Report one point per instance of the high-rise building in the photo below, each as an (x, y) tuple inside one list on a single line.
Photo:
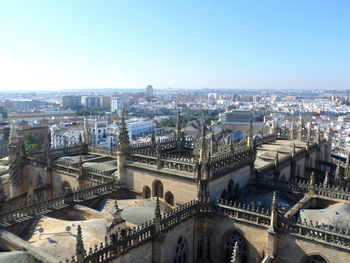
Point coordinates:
[(117, 104), (90, 101), (72, 102), (149, 90), (105, 102)]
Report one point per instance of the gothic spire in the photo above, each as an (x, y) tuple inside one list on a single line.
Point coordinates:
[(326, 180), (300, 128), (312, 179), (274, 208), (212, 141), (274, 201), (309, 131), (80, 251), (81, 171), (319, 134), (13, 133), (338, 176), (178, 131), (157, 216), (250, 133), (347, 165), (123, 142), (292, 130), (202, 154), (86, 131), (157, 213)]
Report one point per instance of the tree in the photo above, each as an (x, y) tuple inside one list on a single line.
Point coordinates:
[(32, 143), (167, 123), (231, 107)]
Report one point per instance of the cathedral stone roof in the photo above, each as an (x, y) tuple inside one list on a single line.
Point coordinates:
[(335, 215), (137, 211)]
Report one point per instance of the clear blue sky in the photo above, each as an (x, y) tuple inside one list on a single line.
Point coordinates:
[(51, 45)]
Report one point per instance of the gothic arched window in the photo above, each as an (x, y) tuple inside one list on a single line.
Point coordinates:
[(157, 188), (146, 192), (229, 240), (169, 198), (181, 252)]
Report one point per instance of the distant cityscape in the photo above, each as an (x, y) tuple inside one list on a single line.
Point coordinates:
[(153, 110)]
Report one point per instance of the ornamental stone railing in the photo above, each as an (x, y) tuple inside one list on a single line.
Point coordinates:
[(302, 186), (54, 202), (243, 212), (314, 231), (253, 215)]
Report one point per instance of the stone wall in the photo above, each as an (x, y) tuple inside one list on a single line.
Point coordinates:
[(183, 190), (240, 176), (185, 230), (140, 254), (255, 238), (293, 249)]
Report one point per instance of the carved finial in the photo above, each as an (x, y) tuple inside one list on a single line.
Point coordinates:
[(312, 179), (274, 201), (235, 258), (13, 133), (292, 130), (347, 165), (309, 130), (300, 130), (81, 169), (123, 142), (80, 251), (326, 180), (203, 150), (157, 213), (338, 175), (87, 134), (153, 137), (250, 132)]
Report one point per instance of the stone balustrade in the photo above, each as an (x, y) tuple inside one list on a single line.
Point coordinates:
[(54, 202), (314, 231), (244, 212), (254, 215)]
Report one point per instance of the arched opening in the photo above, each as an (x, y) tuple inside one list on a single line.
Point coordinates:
[(313, 259), (146, 192), (231, 188), (66, 186), (157, 188), (169, 198), (229, 240), (224, 194), (181, 252)]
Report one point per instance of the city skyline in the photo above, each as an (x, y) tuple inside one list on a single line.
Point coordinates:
[(111, 45)]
